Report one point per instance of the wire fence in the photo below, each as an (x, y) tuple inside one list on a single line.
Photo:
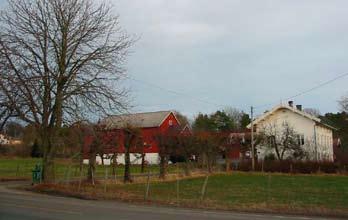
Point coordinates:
[(223, 190), (218, 189)]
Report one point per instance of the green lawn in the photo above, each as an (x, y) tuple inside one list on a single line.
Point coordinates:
[(64, 168), (254, 190)]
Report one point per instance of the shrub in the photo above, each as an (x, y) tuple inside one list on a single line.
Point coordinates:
[(288, 166), (36, 150), (20, 150)]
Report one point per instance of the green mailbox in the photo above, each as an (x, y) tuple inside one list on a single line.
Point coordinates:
[(37, 174)]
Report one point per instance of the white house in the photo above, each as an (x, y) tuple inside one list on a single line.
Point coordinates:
[(4, 139), (315, 136)]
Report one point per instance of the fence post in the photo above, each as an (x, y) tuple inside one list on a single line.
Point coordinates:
[(204, 187), (177, 183), (55, 175), (76, 171), (80, 179), (262, 164), (92, 172), (17, 171), (147, 186), (67, 180), (115, 175), (105, 178), (24, 169)]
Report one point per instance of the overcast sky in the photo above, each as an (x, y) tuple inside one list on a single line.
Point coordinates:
[(235, 53)]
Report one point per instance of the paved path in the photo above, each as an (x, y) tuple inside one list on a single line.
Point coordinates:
[(16, 204)]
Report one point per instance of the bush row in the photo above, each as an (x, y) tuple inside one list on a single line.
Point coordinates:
[(20, 150), (287, 166)]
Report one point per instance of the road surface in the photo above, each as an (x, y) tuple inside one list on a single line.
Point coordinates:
[(15, 204)]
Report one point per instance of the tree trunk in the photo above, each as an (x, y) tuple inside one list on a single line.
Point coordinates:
[(48, 133), (48, 157), (228, 163), (163, 166), (48, 168), (127, 163), (142, 162), (114, 164), (277, 153), (81, 159), (203, 160), (187, 167), (102, 158), (209, 164), (91, 168)]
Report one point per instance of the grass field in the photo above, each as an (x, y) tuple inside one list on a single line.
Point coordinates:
[(22, 168), (318, 194), (247, 190), (325, 195)]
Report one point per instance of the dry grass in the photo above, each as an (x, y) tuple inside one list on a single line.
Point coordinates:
[(292, 194)]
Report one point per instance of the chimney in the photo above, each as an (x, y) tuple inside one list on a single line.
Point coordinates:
[(291, 103), (299, 107)]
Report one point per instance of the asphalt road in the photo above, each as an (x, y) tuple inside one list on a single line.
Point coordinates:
[(15, 204)]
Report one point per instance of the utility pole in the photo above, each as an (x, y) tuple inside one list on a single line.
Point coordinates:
[(252, 138), (315, 144)]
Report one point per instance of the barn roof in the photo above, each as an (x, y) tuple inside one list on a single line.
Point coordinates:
[(139, 120)]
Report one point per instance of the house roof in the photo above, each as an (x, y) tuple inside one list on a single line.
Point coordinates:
[(139, 120), (293, 109)]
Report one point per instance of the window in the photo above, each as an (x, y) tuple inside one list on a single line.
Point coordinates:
[(170, 122), (301, 139)]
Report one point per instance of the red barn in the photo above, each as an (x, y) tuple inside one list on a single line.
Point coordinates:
[(149, 123), (237, 147)]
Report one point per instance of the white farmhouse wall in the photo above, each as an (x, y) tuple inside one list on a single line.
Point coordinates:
[(3, 139), (150, 158), (318, 138)]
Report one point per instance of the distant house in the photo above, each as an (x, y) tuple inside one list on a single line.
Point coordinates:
[(4, 140), (238, 146), (149, 123), (315, 136)]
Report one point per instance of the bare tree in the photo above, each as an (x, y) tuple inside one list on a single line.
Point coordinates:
[(132, 141), (210, 146), (60, 60), (142, 149), (97, 139), (183, 120), (235, 114), (343, 103), (312, 111), (167, 141), (187, 146), (6, 110), (283, 140), (76, 137)]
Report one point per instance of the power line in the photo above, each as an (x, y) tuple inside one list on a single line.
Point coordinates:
[(219, 105), (308, 90), (174, 92)]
